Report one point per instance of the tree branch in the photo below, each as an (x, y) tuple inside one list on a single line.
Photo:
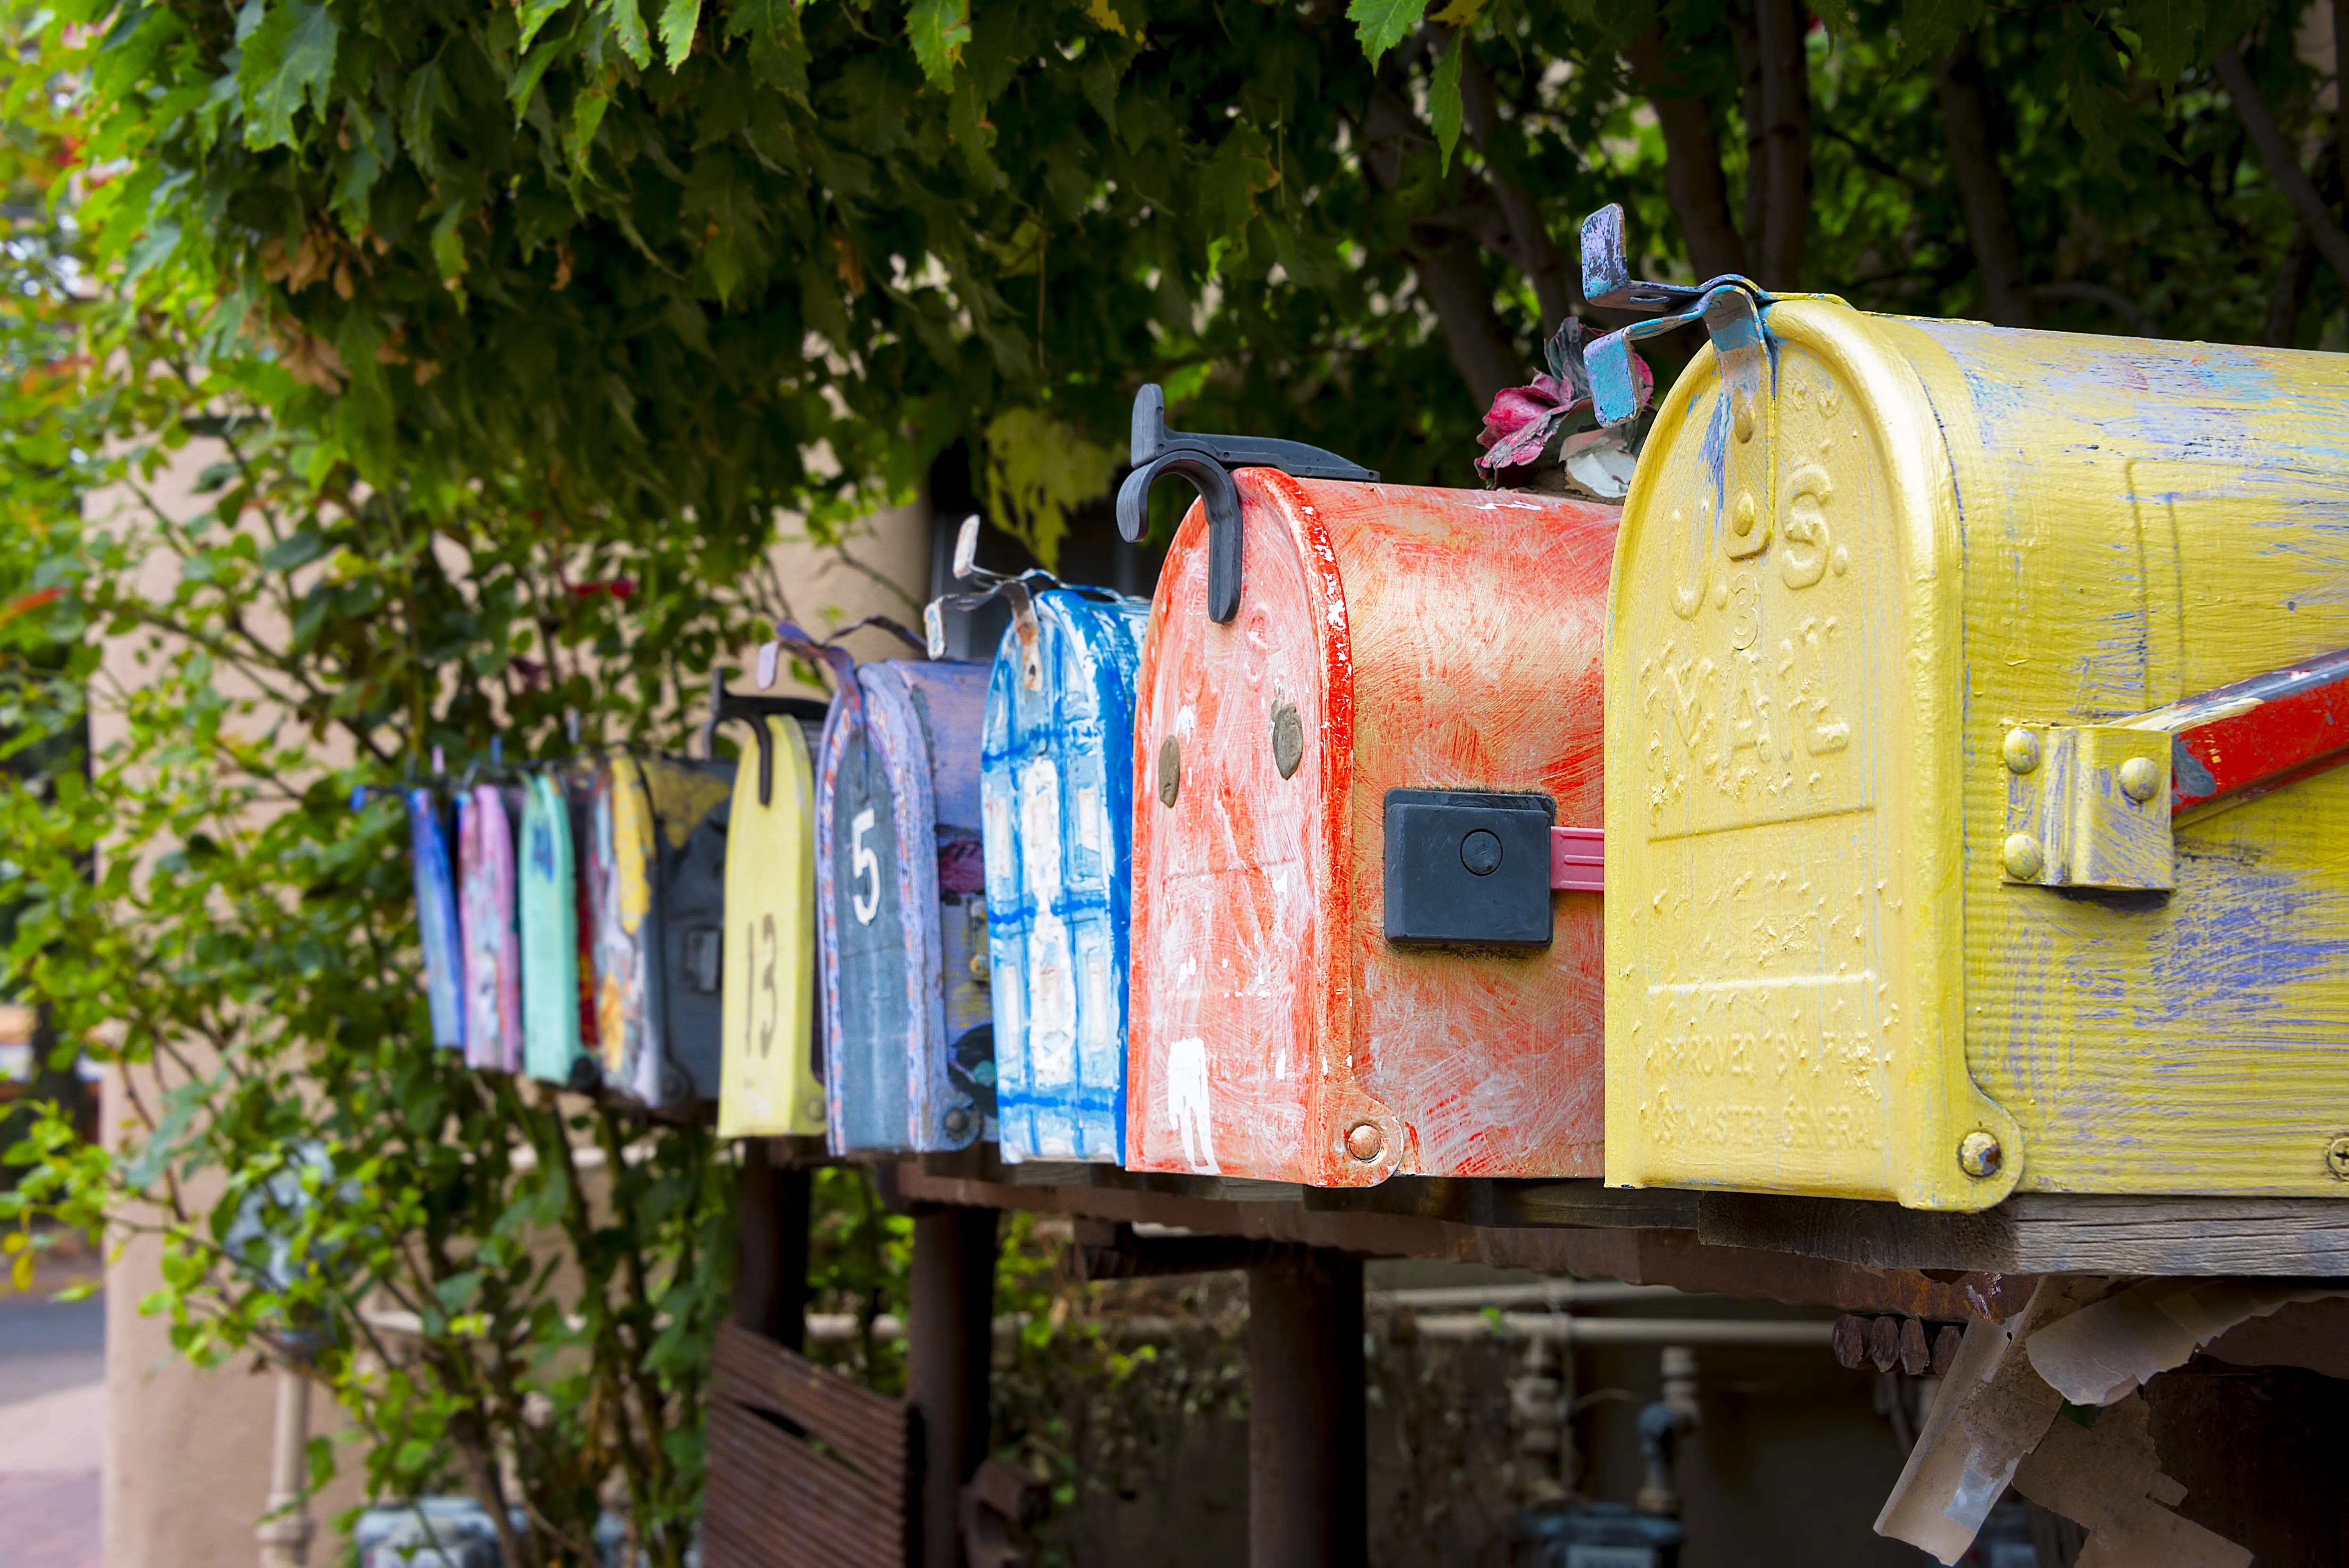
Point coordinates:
[(1981, 185), (1450, 269), (1692, 178), (2284, 165), (1786, 166), (1554, 284)]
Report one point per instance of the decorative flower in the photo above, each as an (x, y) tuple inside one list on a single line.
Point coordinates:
[(1525, 421)]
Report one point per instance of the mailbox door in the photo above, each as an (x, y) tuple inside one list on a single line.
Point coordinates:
[(692, 808), (1057, 794), (1243, 851), (627, 1022), (492, 949), (895, 954), (436, 918), (1478, 624), (773, 1084), (550, 936)]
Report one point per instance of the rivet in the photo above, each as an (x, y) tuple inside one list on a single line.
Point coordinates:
[(1744, 417), (2025, 859), (1287, 738), (1840, 559), (1979, 1155), (2336, 1156), (1363, 1141), (1170, 770), (2140, 777), (1742, 518), (958, 1122), (2020, 750)]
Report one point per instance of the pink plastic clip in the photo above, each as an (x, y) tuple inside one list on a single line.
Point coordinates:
[(1578, 859)]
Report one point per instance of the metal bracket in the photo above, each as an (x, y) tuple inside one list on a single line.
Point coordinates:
[(1206, 462), (2087, 805), (1617, 395), (2095, 805)]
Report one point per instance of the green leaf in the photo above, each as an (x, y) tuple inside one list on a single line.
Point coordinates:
[(533, 14), (1382, 24), (627, 23), (288, 61), (939, 28), (1444, 98), (586, 114), (679, 20)]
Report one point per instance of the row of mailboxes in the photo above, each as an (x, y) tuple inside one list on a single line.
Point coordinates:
[(571, 924), (1947, 715)]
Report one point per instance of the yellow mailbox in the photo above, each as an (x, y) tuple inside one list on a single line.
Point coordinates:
[(1970, 721)]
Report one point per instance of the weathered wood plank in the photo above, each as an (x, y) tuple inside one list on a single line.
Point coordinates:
[(2046, 1232)]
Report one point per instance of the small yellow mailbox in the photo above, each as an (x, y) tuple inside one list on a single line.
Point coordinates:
[(1969, 722)]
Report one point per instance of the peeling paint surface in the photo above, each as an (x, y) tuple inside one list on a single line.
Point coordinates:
[(1056, 795), (909, 1059), (1831, 982), (436, 917), (1426, 639), (490, 942), (772, 1074)]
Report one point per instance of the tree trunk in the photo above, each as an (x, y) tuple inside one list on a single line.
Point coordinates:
[(2291, 283), (1981, 185), (1692, 178), (1452, 275), (1779, 29)]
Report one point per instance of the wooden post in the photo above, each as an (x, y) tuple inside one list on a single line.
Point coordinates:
[(947, 1345), (771, 1221), (1306, 1508)]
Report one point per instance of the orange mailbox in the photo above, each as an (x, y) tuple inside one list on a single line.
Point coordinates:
[(1366, 918)]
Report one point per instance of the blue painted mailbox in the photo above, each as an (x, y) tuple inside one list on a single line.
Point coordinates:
[(436, 915), (1056, 794), (909, 1056), (557, 1020)]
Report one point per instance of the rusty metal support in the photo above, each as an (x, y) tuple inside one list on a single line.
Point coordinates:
[(1306, 1508), (947, 1342), (771, 1223)]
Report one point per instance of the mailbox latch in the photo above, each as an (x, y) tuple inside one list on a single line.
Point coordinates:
[(1468, 869)]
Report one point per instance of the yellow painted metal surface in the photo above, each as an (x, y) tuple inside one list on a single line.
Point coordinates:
[(1820, 977), (770, 1083)]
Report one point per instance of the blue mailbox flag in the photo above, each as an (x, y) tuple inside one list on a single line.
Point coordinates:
[(909, 1055), (436, 915), (1056, 796)]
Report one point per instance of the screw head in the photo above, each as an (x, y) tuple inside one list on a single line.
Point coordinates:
[(1363, 1141), (1979, 1155), (1480, 851), (2025, 859), (1287, 738), (2140, 777), (1743, 516), (2020, 750), (2336, 1157), (1170, 770), (958, 1122)]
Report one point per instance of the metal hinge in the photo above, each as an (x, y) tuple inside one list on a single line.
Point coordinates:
[(2095, 805)]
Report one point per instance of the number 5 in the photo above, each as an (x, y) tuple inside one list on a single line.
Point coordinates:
[(862, 864)]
